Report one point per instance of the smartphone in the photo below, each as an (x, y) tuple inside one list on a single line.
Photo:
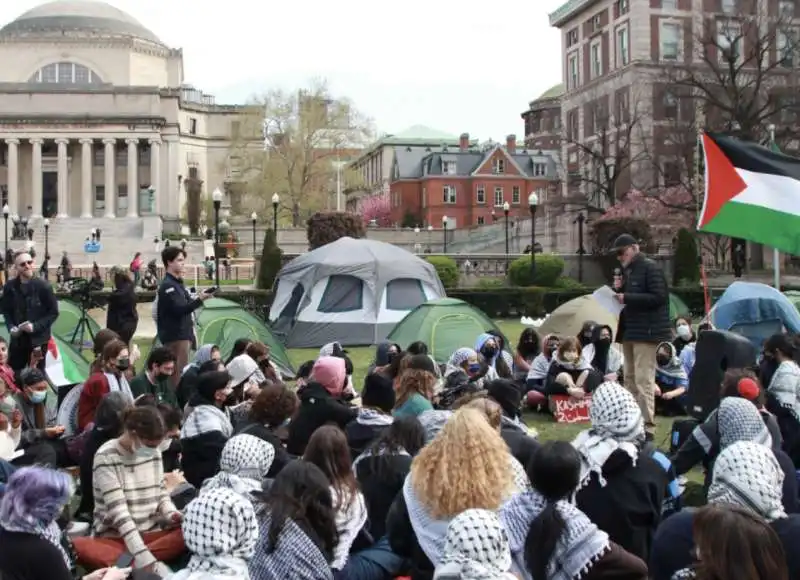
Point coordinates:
[(37, 350), (124, 561), (211, 290)]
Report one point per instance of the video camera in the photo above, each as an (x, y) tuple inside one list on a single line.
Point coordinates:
[(83, 292)]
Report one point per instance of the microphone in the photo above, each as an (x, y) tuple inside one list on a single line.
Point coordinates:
[(617, 274)]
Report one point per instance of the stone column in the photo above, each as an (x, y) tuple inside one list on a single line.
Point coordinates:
[(63, 178), (172, 195), (155, 174), (36, 177), (133, 177), (13, 176), (110, 176), (87, 209)]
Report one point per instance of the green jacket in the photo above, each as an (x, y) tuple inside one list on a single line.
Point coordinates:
[(141, 385)]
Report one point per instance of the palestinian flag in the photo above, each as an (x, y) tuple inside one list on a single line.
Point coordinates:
[(60, 368), (752, 192)]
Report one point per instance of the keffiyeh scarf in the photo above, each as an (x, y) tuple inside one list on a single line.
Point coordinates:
[(476, 548), (461, 355), (244, 463), (785, 387), (748, 475), (50, 532), (118, 384), (616, 425), (739, 420), (206, 419), (221, 531), (579, 547)]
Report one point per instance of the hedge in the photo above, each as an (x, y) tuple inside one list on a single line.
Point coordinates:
[(505, 302), (548, 269)]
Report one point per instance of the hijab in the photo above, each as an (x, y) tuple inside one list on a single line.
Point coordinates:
[(739, 420), (331, 373), (203, 355)]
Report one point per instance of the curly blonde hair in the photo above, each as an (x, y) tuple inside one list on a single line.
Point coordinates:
[(490, 410), (411, 382), (466, 466)]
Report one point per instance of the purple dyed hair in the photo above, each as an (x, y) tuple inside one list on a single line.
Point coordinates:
[(35, 496)]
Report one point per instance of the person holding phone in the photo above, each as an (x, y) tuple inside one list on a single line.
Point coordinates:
[(30, 308), (174, 323), (41, 438)]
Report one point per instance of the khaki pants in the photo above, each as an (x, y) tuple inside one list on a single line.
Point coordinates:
[(640, 378), (180, 348)]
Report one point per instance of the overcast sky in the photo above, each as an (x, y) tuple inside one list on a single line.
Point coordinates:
[(453, 65)]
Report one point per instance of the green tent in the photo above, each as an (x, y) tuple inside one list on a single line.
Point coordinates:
[(74, 369), (223, 322), (794, 297), (69, 313), (445, 325), (677, 307)]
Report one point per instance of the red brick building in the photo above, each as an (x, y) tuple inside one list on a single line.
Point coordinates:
[(468, 184)]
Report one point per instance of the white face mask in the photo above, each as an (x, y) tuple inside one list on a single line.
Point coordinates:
[(164, 445), (684, 331)]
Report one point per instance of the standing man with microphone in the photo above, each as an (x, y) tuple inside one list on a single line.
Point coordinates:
[(642, 290)]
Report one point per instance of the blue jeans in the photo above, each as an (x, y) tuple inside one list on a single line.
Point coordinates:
[(375, 563)]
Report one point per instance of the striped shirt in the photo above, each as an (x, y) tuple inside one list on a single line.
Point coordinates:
[(130, 497)]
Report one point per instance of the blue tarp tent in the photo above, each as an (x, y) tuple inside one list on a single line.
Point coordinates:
[(754, 310)]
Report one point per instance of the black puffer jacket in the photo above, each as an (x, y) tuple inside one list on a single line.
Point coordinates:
[(645, 317)]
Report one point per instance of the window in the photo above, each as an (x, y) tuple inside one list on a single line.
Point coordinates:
[(66, 73), (596, 60), (622, 7), (787, 47), (481, 220), (498, 197), (671, 109), (122, 156), (144, 155), (342, 294), (729, 6), (515, 194), (786, 7), (480, 194), (595, 23), (122, 198), (572, 37), (623, 54), (557, 121), (621, 101), (192, 126), (672, 173), (572, 124), (573, 79), (449, 193), (539, 169), (404, 294), (669, 4), (448, 167), (729, 41), (99, 154), (670, 40), (499, 166)]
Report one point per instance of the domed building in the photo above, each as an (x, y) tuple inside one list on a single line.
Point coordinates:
[(543, 120), (96, 121)]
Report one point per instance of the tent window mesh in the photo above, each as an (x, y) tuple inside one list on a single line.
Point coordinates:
[(404, 294), (342, 294)]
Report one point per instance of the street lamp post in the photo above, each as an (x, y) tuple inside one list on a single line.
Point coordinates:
[(444, 231), (430, 237), (6, 211), (46, 248), (217, 198), (580, 220), (416, 240), (533, 201), (506, 208), (253, 218), (276, 199)]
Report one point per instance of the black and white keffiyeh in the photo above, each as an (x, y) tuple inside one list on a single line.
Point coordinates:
[(244, 463), (295, 556), (476, 548), (748, 475), (617, 424), (739, 420), (221, 531), (579, 547), (206, 419), (785, 387)]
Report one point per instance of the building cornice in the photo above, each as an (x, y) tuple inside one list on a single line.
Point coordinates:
[(568, 10), (61, 40), (79, 120)]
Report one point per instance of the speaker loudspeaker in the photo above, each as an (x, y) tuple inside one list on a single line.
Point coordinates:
[(716, 352)]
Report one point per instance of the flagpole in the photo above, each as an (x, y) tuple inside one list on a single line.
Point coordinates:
[(699, 191), (776, 255)]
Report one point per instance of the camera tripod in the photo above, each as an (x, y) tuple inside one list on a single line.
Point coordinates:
[(83, 327)]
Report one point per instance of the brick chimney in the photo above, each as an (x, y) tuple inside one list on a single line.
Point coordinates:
[(463, 141), (511, 144)]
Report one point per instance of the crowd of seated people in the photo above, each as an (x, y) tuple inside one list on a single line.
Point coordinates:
[(431, 473)]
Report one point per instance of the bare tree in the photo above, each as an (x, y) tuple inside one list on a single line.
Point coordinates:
[(290, 143)]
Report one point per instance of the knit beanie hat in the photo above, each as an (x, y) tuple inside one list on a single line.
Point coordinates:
[(378, 392)]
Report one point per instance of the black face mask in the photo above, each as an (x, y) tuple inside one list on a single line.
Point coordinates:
[(489, 351), (662, 360), (604, 342), (123, 364)]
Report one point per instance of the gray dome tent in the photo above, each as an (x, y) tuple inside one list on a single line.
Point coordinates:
[(350, 291)]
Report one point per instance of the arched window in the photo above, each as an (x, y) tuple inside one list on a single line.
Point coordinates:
[(66, 73)]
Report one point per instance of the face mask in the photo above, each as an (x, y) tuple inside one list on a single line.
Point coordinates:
[(164, 445), (38, 397), (7, 405), (684, 332), (123, 364), (552, 346), (474, 368), (570, 356), (489, 351), (662, 360), (604, 341), (163, 376), (147, 452)]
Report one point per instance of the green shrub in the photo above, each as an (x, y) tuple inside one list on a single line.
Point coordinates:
[(489, 283), (270, 261), (446, 268), (548, 269), (326, 227), (567, 283), (687, 268)]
